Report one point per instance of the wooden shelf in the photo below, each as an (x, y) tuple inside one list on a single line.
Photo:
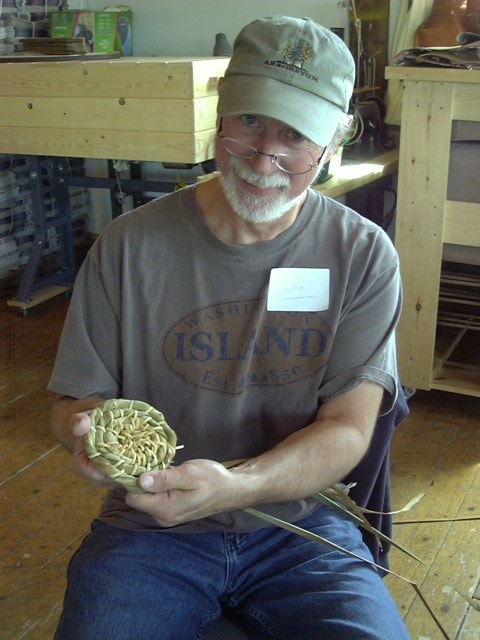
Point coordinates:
[(457, 379), (38, 297), (457, 361), (426, 219)]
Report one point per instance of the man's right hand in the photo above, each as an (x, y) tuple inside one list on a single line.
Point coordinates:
[(80, 425), (70, 424)]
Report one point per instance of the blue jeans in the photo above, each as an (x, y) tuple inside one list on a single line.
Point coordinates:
[(147, 585)]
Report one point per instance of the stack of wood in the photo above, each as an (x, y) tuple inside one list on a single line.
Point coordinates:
[(54, 46)]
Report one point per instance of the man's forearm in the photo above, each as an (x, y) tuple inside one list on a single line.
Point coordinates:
[(317, 456)]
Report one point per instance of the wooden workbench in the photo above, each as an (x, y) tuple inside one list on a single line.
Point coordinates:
[(95, 106), (426, 219), (354, 175), (148, 109)]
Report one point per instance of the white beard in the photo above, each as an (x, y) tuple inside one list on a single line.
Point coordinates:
[(248, 206)]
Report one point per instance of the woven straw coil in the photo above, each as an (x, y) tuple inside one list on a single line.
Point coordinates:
[(127, 438)]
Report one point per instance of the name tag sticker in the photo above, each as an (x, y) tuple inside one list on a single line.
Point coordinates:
[(296, 289)]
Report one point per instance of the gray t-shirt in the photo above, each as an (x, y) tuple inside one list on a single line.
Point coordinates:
[(165, 312)]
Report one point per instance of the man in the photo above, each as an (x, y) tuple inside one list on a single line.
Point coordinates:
[(258, 316)]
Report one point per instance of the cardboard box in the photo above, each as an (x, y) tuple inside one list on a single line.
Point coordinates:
[(104, 31)]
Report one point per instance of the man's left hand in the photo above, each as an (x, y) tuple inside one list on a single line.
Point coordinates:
[(193, 490)]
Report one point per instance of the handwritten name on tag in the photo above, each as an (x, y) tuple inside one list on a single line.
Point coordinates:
[(297, 289)]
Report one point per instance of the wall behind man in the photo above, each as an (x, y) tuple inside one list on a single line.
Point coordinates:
[(188, 27)]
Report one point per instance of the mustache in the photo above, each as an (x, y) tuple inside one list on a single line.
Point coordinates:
[(257, 180)]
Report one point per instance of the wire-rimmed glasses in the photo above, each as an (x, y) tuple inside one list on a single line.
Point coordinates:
[(289, 163)]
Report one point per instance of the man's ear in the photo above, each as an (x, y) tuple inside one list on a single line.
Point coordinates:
[(219, 87), (344, 128), (331, 149)]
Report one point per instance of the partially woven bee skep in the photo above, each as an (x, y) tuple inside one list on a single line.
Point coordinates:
[(127, 438)]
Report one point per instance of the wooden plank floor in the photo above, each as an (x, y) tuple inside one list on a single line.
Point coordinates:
[(46, 510)]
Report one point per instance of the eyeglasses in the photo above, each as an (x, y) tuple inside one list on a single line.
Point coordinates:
[(289, 163)]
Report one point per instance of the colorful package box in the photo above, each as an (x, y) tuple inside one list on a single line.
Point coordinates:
[(104, 31)]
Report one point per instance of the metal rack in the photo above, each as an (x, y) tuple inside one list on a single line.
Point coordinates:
[(35, 288)]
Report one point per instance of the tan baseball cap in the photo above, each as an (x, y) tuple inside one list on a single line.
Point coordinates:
[(290, 69)]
